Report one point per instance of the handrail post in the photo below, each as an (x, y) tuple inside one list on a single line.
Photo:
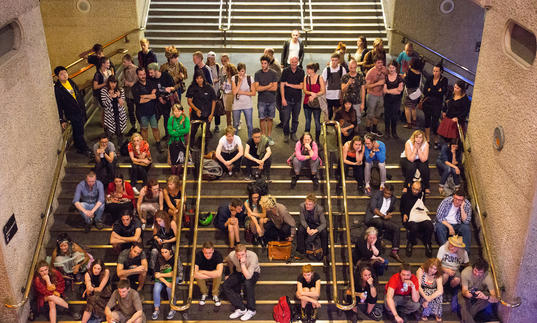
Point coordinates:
[(475, 197), (188, 302), (331, 221)]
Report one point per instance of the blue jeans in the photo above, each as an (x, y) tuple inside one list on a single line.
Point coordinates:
[(461, 229), (316, 117), (445, 171), (292, 108), (237, 119), (157, 289), (98, 214)]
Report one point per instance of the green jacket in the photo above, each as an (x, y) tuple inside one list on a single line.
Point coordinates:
[(178, 130)]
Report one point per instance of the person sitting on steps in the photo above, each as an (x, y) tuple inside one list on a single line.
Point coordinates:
[(209, 266), (229, 151), (416, 157), (229, 218), (353, 156), (281, 225), (257, 152), (375, 151), (308, 291), (306, 152), (378, 214)]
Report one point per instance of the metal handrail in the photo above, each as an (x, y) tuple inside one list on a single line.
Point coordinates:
[(220, 27), (88, 67), (66, 141), (188, 303), (475, 198), (331, 221), (303, 25), (104, 46), (462, 67)]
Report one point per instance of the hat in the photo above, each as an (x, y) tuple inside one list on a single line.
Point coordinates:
[(211, 54), (456, 241)]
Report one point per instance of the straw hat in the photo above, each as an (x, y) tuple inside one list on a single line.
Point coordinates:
[(456, 241)]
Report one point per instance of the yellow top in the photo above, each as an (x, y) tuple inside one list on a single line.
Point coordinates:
[(69, 88)]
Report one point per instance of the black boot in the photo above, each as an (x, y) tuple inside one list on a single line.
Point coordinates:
[(394, 134), (294, 179), (315, 181), (409, 250), (428, 250)]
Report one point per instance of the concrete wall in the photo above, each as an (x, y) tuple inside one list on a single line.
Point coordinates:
[(454, 35), (30, 136), (504, 96), (70, 32)]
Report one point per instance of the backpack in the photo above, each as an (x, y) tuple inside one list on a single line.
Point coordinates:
[(248, 78), (260, 186), (314, 250), (328, 72), (282, 311), (211, 170)]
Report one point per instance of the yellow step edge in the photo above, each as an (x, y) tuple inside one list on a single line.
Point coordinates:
[(221, 246)]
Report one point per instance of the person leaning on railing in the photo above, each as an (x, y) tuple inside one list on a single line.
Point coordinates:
[(49, 286), (71, 108), (477, 290)]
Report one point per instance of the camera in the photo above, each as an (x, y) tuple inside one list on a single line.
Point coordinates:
[(162, 93), (473, 292)]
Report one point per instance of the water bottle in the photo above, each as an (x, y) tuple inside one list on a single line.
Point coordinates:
[(405, 287), (365, 297)]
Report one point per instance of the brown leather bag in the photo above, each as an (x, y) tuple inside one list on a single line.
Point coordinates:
[(279, 250)]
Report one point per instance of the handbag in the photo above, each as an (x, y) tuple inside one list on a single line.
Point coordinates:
[(315, 104), (415, 95), (219, 109), (279, 250), (419, 212), (448, 128)]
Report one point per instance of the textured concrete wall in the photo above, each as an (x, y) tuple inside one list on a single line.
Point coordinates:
[(504, 95), (453, 35), (30, 136), (70, 32)]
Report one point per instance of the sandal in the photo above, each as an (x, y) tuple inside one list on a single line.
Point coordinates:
[(424, 318), (438, 318)]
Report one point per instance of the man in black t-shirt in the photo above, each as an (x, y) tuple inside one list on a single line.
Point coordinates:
[(144, 93), (132, 265), (257, 153), (291, 84), (126, 231), (165, 87), (209, 265)]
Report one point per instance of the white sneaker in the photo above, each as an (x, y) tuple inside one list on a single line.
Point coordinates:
[(143, 226), (238, 313), (202, 300), (216, 301), (248, 315)]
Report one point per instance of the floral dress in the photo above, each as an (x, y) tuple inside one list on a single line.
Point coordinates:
[(435, 306)]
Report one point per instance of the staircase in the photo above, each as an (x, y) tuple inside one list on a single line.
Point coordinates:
[(277, 277), (255, 25)]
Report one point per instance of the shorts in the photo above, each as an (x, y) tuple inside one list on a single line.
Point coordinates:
[(149, 120), (228, 101), (375, 106), (267, 110)]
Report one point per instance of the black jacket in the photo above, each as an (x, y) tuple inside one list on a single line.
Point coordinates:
[(376, 203), (285, 52), (68, 107)]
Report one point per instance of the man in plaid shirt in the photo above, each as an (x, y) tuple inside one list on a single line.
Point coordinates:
[(453, 217)]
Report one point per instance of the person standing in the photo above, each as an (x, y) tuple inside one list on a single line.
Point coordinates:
[(353, 89), (144, 92), (375, 80), (243, 89), (176, 69), (146, 55), (165, 86), (293, 47), (333, 74), (314, 87), (291, 84), (127, 79), (266, 83), (215, 70), (71, 107), (202, 100)]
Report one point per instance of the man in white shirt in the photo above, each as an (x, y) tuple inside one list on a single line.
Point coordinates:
[(379, 213), (332, 75), (293, 47)]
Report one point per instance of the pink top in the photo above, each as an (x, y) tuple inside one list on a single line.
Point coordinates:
[(300, 155)]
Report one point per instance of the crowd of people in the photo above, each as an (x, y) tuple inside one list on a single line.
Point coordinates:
[(366, 87)]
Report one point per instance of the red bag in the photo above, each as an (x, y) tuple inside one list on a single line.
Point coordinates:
[(448, 129), (282, 311)]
